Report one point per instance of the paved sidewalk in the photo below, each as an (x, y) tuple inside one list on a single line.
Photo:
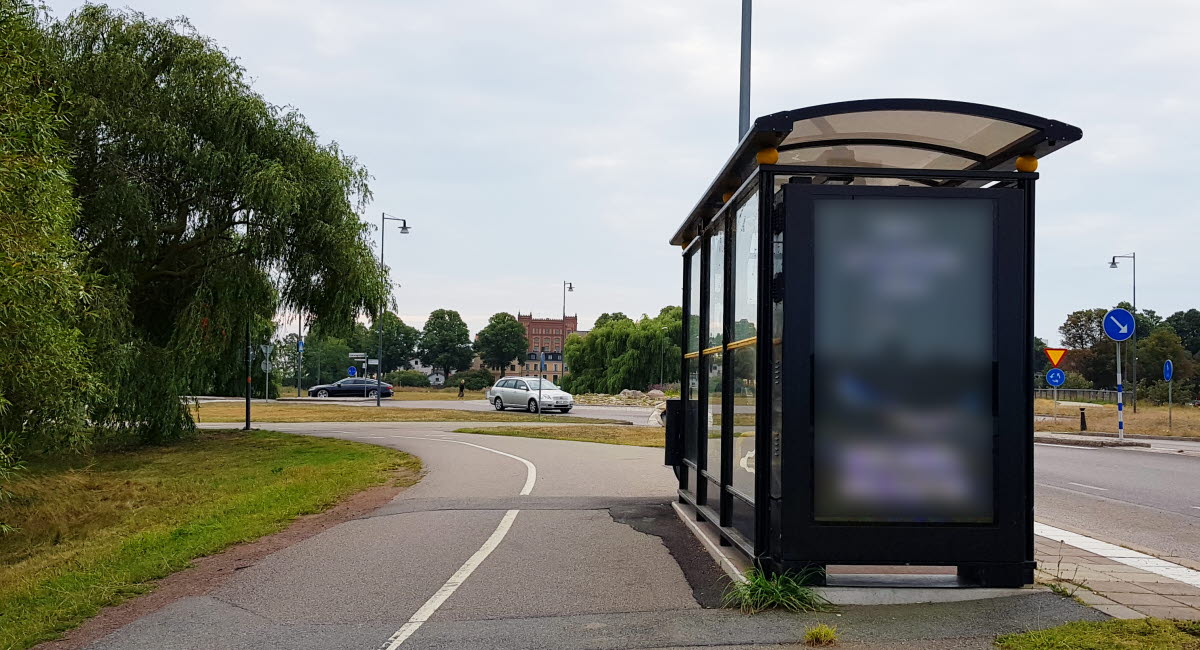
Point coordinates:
[(1113, 587)]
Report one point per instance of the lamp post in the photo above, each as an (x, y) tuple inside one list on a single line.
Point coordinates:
[(662, 353), (567, 286), (744, 77), (1133, 373), (383, 219)]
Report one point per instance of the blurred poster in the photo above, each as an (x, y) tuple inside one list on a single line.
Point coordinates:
[(903, 356)]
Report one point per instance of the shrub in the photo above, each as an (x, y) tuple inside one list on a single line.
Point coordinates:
[(787, 590), (820, 635), (476, 379), (411, 378)]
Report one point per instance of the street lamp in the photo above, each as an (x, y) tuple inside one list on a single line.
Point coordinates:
[(567, 286), (662, 353), (383, 219), (1133, 374)]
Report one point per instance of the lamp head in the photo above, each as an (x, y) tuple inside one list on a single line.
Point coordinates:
[(404, 229), (1113, 264)]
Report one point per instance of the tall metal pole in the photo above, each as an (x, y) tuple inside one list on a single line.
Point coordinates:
[(379, 318), (248, 380), (299, 351), (1133, 373), (1120, 396), (744, 94)]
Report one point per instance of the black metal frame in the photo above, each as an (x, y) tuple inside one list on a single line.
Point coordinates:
[(997, 554)]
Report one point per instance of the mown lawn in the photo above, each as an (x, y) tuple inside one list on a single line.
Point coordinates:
[(94, 530), (608, 434), (299, 412), (1142, 634)]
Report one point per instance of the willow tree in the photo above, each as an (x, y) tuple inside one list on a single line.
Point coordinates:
[(207, 207), (622, 354), (45, 298)]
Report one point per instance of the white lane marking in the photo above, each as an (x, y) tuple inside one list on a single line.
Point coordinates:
[(427, 610), (435, 601), (1050, 444), (1120, 554), (1196, 507), (1090, 487)]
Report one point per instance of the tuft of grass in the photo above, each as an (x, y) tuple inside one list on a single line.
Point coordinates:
[(1136, 634), (284, 412), (607, 434), (93, 530), (788, 591), (820, 635)]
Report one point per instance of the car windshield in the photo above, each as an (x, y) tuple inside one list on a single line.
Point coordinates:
[(545, 385)]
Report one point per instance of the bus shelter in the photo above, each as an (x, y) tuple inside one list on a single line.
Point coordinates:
[(858, 296)]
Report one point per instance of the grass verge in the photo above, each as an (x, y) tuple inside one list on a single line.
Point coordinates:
[(1138, 634), (284, 412), (787, 591), (608, 434), (95, 530), (1149, 419)]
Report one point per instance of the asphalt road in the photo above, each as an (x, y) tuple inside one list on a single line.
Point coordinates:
[(582, 552), (1148, 500)]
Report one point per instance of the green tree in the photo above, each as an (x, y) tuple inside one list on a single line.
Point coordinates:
[(1040, 363), (46, 300), (206, 207), (1162, 344), (1187, 325), (399, 342), (501, 341), (622, 354), (445, 342), (1083, 329), (413, 378), (606, 318)]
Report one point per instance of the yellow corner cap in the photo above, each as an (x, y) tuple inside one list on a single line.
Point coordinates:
[(726, 196), (1027, 164), (768, 156)]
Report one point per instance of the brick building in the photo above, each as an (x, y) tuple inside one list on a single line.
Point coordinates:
[(545, 335)]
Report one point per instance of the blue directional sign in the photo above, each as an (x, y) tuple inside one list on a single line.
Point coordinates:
[(1168, 370), (1055, 377), (351, 371), (1118, 324), (300, 344)]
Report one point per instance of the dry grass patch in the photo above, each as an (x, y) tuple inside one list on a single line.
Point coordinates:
[(1149, 420), (611, 435), (300, 412), (95, 530)]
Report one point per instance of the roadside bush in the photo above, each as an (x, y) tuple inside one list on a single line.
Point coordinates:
[(476, 379), (1156, 391), (410, 378)]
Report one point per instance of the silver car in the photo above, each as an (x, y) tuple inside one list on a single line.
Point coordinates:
[(523, 392)]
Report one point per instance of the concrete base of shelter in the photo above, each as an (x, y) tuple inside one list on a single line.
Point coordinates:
[(857, 585)]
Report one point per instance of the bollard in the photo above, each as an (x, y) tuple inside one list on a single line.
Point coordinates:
[(1082, 418)]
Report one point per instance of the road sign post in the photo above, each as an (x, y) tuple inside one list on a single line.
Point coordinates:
[(1055, 377), (1169, 374), (1118, 326)]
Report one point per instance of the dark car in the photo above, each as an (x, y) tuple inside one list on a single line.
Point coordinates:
[(350, 387)]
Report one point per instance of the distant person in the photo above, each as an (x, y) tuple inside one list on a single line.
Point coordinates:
[(462, 388)]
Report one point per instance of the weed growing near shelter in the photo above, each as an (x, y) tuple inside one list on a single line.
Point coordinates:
[(788, 591), (820, 635)]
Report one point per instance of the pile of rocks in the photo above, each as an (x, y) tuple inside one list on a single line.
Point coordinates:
[(624, 398)]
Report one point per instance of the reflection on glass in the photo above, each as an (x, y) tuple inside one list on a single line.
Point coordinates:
[(745, 270), (776, 369), (715, 408), (691, 391), (693, 319), (716, 288), (903, 342), (744, 392)]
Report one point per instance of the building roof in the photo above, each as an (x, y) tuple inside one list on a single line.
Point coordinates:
[(925, 134)]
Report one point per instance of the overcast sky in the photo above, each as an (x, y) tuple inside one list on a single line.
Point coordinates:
[(529, 143)]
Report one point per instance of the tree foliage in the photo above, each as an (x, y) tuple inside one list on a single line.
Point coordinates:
[(47, 300), (1187, 325), (501, 341), (621, 353), (475, 379), (607, 318), (204, 205), (445, 342)]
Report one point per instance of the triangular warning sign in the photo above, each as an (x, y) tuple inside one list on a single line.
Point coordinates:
[(1055, 355)]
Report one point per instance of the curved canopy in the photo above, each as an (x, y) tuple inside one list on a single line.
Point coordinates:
[(921, 134)]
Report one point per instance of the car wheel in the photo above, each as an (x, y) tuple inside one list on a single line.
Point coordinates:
[(499, 404), (322, 393), (372, 393), (532, 406)]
